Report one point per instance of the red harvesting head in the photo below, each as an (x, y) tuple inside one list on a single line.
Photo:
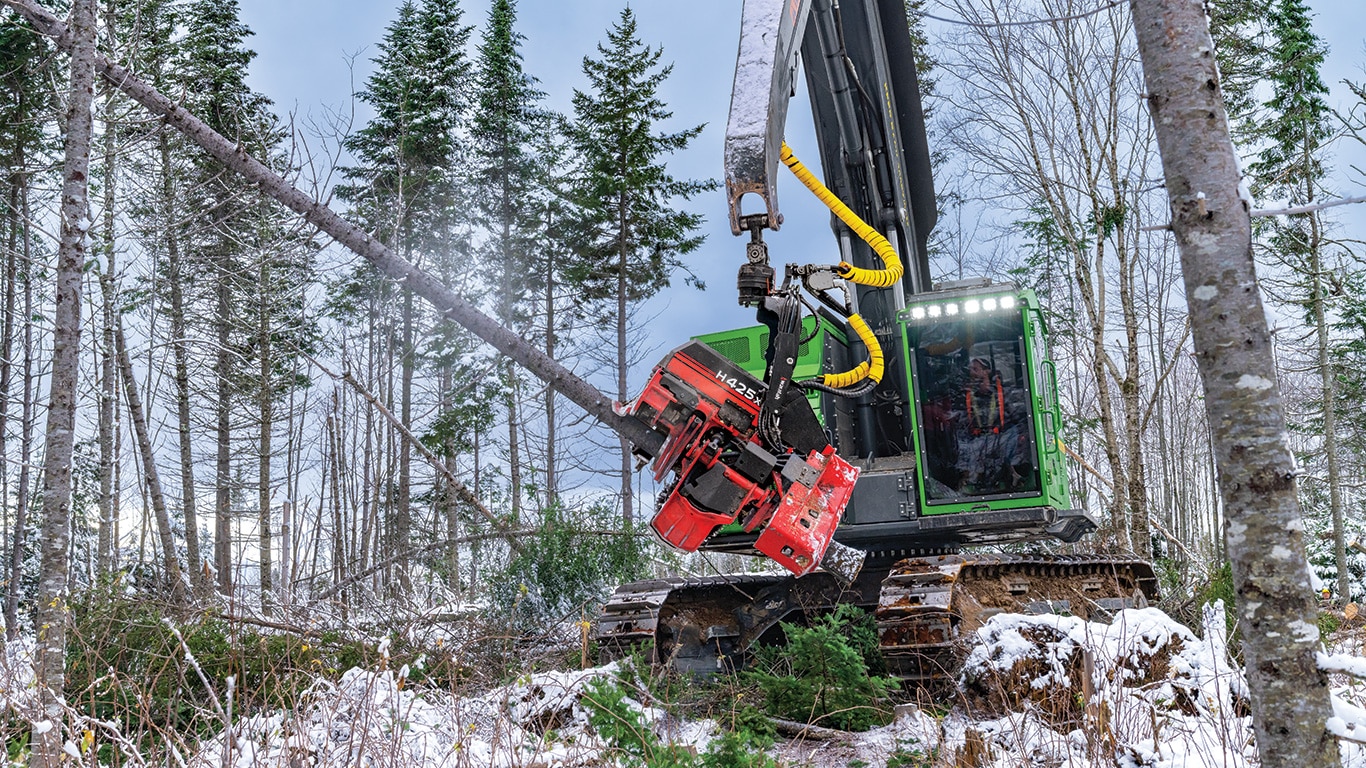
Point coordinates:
[(723, 472)]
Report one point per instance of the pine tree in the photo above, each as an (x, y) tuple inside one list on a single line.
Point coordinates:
[(631, 236), (26, 67), (211, 66), (1239, 31), (407, 186), (554, 248)]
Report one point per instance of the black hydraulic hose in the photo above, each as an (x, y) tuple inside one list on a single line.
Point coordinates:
[(856, 391)]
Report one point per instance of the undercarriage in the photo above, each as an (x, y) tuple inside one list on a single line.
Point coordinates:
[(926, 608)]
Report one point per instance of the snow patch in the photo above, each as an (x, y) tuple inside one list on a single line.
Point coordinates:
[(1160, 695), (372, 718), (1205, 293), (1315, 583)]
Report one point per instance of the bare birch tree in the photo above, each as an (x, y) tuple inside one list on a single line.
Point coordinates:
[(1264, 529), (1041, 113), (50, 661)]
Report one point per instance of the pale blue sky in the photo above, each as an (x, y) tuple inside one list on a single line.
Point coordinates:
[(304, 47)]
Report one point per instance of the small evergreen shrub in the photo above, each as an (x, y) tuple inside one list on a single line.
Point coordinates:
[(632, 741), (570, 564), (821, 676), (745, 742), (1219, 586)]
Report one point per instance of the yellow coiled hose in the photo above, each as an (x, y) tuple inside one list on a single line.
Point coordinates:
[(877, 278), (869, 369)]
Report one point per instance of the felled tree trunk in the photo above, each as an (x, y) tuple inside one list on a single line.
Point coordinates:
[(449, 304)]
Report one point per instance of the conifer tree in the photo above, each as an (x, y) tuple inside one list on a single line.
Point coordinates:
[(1239, 31), (159, 173), (504, 127), (631, 235), (406, 187), (1297, 126), (554, 254), (211, 67), (27, 66)]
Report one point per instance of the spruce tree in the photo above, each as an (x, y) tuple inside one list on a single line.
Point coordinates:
[(631, 235), (159, 214), (1239, 30), (505, 125), (1296, 127), (407, 188), (27, 103), (211, 66)]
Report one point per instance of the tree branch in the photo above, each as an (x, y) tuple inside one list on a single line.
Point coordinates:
[(1266, 212), (407, 553)]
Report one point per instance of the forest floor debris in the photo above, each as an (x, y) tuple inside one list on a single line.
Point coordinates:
[(1142, 691)]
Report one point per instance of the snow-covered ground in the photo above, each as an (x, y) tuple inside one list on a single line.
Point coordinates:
[(1036, 691)]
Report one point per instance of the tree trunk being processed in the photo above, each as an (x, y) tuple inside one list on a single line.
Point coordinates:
[(1264, 531), (50, 655)]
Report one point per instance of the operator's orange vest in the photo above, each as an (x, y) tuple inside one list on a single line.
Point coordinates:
[(976, 421)]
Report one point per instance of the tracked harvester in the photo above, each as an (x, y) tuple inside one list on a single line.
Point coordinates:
[(873, 423), (870, 435)]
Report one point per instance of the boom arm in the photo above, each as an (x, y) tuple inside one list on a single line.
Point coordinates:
[(865, 99)]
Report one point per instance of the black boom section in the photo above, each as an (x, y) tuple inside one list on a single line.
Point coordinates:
[(910, 116), (865, 100)]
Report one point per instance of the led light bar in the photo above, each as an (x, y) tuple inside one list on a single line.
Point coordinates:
[(966, 307)]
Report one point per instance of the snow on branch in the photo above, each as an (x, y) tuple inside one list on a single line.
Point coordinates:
[(1344, 663), (1260, 212)]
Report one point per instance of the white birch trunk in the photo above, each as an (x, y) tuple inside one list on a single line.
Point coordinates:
[(1263, 530), (50, 661)]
